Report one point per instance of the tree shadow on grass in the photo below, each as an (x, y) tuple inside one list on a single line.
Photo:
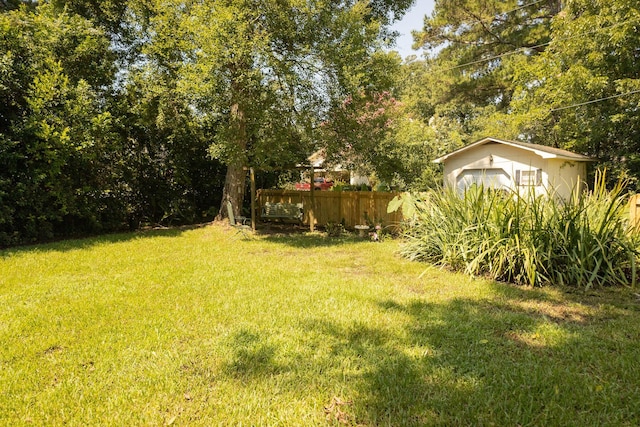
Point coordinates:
[(518, 361), (517, 357), (491, 361), (570, 304), (386, 382), (104, 239), (315, 240), (251, 356)]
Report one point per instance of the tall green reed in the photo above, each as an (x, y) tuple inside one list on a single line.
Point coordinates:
[(528, 238)]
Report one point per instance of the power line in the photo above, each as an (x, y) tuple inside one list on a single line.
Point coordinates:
[(521, 49), (524, 6), (594, 101), (509, 11), (491, 58)]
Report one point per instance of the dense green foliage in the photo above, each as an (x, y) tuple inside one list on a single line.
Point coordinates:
[(83, 149), (117, 113), (527, 239), (80, 154), (592, 57), (53, 131)]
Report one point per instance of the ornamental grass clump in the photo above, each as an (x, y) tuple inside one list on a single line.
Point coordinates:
[(527, 238)]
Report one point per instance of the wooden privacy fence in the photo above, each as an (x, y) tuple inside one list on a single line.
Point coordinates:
[(348, 207)]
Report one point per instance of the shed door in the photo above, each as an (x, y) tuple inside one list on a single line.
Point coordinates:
[(494, 178)]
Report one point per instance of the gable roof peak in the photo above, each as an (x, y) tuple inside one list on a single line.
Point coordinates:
[(543, 151)]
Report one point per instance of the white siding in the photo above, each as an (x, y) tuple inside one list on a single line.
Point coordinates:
[(490, 158), (566, 176)]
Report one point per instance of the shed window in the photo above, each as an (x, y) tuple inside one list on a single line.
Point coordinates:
[(529, 178), (489, 178)]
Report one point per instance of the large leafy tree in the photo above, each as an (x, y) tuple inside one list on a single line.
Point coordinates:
[(434, 123), (164, 172), (377, 135), (262, 74), (360, 135)]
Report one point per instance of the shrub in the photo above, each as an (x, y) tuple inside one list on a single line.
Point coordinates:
[(335, 229), (527, 239)]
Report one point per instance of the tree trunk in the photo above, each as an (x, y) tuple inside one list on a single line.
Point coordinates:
[(234, 183), (233, 191)]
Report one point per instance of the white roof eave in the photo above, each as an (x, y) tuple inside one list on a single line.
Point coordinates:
[(541, 153)]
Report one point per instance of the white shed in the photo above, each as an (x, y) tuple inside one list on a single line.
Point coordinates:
[(515, 165)]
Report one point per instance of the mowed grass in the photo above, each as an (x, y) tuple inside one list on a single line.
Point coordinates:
[(193, 327)]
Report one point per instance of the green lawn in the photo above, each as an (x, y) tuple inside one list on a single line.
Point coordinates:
[(192, 327)]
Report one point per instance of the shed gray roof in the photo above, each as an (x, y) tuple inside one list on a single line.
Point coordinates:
[(541, 150)]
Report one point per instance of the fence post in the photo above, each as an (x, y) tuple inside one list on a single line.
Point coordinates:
[(253, 198), (312, 217), (634, 218)]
